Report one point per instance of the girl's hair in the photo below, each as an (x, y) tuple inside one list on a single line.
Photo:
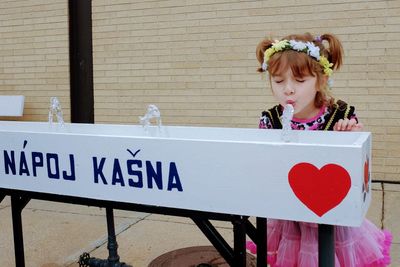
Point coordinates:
[(302, 64)]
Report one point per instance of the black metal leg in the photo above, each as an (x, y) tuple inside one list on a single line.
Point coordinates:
[(258, 235), (239, 241), (112, 245), (326, 245), (216, 239), (261, 242), (17, 205)]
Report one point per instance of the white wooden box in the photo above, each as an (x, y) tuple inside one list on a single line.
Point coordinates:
[(11, 105), (323, 177)]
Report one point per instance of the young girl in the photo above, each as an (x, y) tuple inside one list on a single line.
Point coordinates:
[(299, 68)]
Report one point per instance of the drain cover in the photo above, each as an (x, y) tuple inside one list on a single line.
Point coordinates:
[(204, 256)]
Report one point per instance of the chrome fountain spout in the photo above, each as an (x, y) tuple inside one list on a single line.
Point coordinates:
[(287, 117), (152, 112), (55, 109)]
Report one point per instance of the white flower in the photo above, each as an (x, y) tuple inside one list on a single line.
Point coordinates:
[(264, 66), (313, 50), (297, 45)]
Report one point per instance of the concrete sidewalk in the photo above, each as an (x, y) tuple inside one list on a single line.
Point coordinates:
[(56, 234)]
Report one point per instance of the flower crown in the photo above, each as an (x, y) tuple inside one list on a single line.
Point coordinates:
[(306, 47)]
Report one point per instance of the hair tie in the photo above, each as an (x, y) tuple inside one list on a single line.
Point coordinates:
[(318, 38)]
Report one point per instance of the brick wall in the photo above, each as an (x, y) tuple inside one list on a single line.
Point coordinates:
[(34, 54), (195, 60)]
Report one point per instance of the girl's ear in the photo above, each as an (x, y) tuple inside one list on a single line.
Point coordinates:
[(324, 81)]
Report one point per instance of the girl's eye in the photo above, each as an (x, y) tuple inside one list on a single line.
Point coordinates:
[(278, 81), (300, 80)]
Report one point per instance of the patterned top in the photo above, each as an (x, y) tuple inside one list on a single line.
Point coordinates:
[(324, 120)]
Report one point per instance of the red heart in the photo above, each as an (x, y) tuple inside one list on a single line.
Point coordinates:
[(320, 190)]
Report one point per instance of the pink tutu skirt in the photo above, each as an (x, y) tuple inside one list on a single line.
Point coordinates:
[(295, 244)]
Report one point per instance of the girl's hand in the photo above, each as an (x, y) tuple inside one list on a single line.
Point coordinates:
[(348, 125)]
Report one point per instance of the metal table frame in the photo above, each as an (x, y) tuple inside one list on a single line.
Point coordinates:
[(235, 256)]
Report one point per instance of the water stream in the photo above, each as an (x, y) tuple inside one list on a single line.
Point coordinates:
[(287, 117)]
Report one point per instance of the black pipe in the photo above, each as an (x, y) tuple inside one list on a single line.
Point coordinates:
[(17, 205), (239, 241), (112, 244), (82, 99), (261, 224), (81, 61), (326, 245)]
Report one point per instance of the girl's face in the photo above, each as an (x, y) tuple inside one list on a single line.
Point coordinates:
[(297, 91)]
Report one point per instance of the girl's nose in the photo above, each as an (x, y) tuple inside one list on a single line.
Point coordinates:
[(289, 90)]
